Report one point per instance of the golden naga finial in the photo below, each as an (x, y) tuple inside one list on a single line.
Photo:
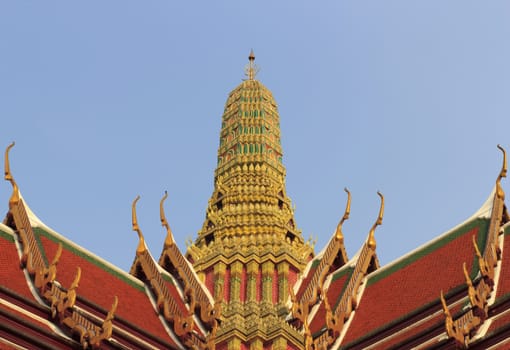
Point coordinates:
[(446, 311), (8, 176), (371, 235), (251, 68), (466, 275), (76, 279), (169, 240), (338, 234), (486, 269), (451, 328), (499, 190), (69, 299), (106, 327), (141, 244), (111, 314)]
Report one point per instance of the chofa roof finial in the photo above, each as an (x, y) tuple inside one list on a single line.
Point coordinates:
[(371, 235), (141, 244), (169, 240), (499, 190), (8, 176), (338, 234)]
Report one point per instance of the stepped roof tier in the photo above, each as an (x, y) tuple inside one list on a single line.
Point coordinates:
[(249, 280)]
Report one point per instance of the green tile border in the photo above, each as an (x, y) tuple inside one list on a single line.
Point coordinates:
[(40, 231), (6, 236), (481, 223)]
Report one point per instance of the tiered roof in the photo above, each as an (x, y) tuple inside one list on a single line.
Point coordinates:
[(87, 302), (250, 281)]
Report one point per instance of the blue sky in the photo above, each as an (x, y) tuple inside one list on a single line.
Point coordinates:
[(110, 99)]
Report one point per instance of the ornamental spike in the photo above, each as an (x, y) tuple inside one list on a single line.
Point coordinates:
[(466, 275), (76, 279), (446, 311), (8, 176), (371, 235), (338, 234), (251, 68), (169, 240), (141, 243), (499, 190)]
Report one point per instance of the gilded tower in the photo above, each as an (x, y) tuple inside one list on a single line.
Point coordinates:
[(249, 252)]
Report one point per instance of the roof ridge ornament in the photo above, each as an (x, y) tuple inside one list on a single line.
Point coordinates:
[(169, 240), (251, 68), (141, 244), (8, 176), (499, 190), (338, 234), (371, 236)]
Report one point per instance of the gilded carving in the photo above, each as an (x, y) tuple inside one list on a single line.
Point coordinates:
[(89, 334)]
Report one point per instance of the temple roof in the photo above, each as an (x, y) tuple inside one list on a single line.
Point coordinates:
[(250, 280)]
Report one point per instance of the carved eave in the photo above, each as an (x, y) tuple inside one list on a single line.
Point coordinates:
[(363, 263), (464, 328), (331, 258), (43, 277), (79, 324), (172, 260), (177, 312), (87, 331), (499, 215), (32, 258)]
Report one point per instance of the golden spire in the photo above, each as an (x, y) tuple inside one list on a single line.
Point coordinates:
[(169, 240), (251, 68), (339, 235), (371, 235), (141, 244)]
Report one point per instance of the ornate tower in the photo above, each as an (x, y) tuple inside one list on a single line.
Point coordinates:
[(249, 251)]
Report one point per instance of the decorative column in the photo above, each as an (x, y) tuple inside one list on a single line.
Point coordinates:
[(280, 343), (257, 345), (251, 288), (283, 282), (236, 270), (267, 281), (234, 344), (219, 280)]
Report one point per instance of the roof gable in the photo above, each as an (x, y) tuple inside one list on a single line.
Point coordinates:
[(133, 301), (391, 293)]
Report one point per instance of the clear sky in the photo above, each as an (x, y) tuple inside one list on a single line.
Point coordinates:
[(110, 99)]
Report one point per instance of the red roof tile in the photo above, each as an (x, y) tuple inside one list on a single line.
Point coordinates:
[(26, 316), (498, 322), (306, 280), (504, 276), (434, 325), (416, 280), (100, 283), (335, 291), (11, 274)]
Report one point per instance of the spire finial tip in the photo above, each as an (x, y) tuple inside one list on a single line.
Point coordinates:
[(251, 68)]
